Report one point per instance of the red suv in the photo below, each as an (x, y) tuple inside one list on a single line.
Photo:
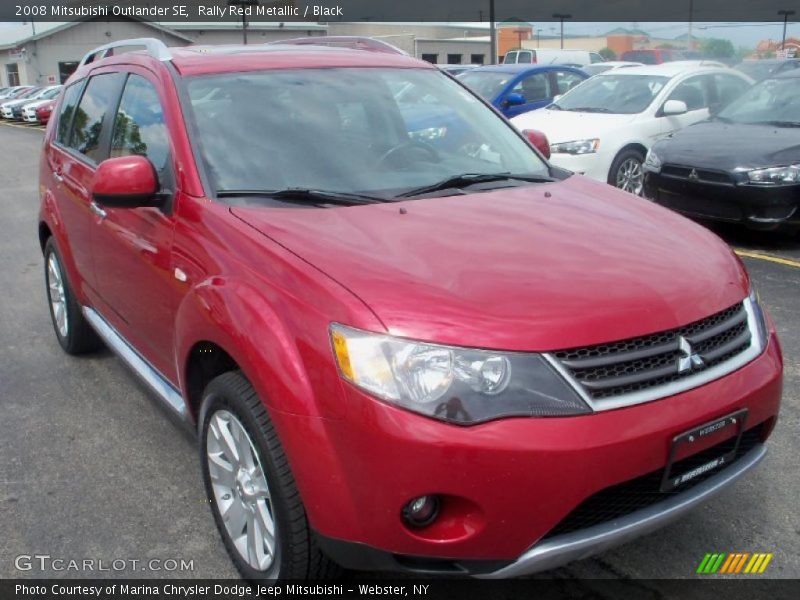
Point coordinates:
[(405, 340)]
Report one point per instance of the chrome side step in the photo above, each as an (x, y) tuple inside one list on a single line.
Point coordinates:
[(154, 380)]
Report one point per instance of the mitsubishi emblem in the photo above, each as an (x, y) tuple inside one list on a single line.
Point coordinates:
[(693, 175), (689, 359)]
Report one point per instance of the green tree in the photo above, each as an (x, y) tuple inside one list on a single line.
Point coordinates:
[(717, 48), (607, 53), (666, 46)]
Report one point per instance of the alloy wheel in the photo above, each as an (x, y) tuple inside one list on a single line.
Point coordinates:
[(58, 297), (240, 490), (630, 176)]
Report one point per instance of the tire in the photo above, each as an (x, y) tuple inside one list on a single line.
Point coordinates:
[(230, 407), (628, 159), (72, 330)]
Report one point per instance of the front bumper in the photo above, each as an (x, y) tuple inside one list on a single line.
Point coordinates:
[(505, 485), (594, 165), (758, 207)]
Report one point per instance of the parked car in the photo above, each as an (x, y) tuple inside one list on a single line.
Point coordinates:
[(604, 127), (13, 91), (27, 111), (517, 89), (655, 56), (609, 65), (763, 68), (44, 111), (403, 358), (7, 106), (551, 56), (742, 166)]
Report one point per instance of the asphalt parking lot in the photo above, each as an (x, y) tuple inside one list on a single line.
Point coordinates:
[(92, 467)]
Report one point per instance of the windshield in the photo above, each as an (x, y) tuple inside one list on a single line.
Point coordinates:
[(486, 83), (757, 69), (771, 101), (345, 130), (48, 94), (610, 93)]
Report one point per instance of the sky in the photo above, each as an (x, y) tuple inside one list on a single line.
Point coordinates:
[(740, 34)]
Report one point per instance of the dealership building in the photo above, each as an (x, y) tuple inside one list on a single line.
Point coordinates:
[(48, 53)]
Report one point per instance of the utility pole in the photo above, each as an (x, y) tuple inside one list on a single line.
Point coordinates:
[(561, 17), (689, 36), (785, 14), (244, 4), (492, 37)]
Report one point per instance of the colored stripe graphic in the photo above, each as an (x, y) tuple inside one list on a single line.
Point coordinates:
[(734, 563)]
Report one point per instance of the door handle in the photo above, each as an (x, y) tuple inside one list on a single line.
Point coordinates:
[(58, 176), (95, 208)]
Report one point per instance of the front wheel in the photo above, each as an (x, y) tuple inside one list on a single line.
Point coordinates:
[(250, 488), (627, 171)]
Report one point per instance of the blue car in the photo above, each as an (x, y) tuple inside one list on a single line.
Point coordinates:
[(516, 89)]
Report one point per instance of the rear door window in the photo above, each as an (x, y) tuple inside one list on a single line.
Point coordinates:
[(68, 104), (90, 116), (525, 57)]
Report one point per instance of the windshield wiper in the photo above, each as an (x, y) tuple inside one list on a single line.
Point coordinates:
[(467, 179), (554, 106), (589, 109), (781, 123), (305, 195)]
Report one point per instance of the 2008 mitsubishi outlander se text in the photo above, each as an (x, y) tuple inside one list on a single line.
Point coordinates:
[(406, 341)]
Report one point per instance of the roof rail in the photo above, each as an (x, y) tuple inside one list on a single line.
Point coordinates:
[(155, 48), (354, 42)]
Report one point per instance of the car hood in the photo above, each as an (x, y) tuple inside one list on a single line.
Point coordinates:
[(728, 146), (566, 126), (528, 268)]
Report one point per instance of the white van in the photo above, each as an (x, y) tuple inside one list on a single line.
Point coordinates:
[(552, 56)]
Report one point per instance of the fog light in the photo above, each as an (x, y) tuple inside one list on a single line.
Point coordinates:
[(421, 511)]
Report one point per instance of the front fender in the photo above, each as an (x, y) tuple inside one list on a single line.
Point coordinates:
[(236, 316)]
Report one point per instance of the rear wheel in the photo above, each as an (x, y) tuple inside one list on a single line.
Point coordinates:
[(250, 488), (627, 171), (72, 330)]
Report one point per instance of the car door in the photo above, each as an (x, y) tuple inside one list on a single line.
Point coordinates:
[(75, 152), (536, 90), (132, 246), (696, 93)]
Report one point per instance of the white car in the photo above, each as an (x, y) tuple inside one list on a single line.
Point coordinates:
[(45, 93), (604, 127), (609, 65), (29, 110)]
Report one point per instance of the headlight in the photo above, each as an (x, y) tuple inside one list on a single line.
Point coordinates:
[(760, 318), (652, 162), (458, 385), (775, 175), (576, 147)]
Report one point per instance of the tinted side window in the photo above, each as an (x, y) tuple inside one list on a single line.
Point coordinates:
[(88, 122), (693, 92), (525, 57), (534, 87), (67, 110), (139, 125)]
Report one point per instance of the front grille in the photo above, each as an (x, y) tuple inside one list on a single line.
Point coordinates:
[(701, 175), (622, 499), (644, 363)]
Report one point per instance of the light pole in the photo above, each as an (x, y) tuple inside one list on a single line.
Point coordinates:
[(561, 17), (492, 36), (785, 14), (243, 4)]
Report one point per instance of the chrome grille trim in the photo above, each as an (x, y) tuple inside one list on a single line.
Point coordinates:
[(754, 349)]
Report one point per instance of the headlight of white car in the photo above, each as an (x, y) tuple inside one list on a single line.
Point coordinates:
[(775, 175), (576, 147), (457, 385), (652, 162)]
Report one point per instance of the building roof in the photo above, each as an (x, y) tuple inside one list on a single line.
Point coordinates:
[(13, 37), (625, 31)]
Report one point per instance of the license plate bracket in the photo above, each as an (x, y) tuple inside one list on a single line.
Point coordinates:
[(672, 480)]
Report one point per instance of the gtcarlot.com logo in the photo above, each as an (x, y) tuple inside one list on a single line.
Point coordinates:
[(735, 563)]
